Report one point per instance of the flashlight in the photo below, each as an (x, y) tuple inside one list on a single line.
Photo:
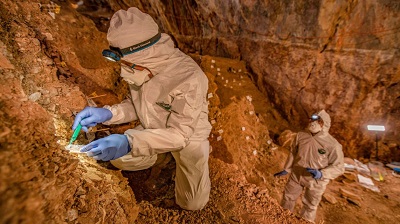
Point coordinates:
[(315, 117), (115, 54), (111, 55)]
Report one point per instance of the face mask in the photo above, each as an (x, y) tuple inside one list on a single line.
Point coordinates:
[(314, 127), (134, 76)]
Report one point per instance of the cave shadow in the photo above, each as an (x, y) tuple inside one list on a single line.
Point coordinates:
[(158, 191)]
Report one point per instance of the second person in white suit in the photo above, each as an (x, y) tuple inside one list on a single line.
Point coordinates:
[(315, 158)]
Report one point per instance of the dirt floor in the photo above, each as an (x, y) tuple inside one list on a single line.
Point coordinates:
[(248, 139)]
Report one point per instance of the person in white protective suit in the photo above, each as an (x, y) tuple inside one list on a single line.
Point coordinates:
[(168, 95), (315, 158)]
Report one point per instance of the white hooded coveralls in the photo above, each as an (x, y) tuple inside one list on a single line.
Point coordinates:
[(173, 112), (322, 152)]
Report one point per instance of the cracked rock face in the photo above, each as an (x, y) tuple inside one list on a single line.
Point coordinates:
[(341, 56)]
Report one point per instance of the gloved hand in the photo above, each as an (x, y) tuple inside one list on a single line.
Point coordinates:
[(315, 173), (90, 116), (108, 148), (282, 173)]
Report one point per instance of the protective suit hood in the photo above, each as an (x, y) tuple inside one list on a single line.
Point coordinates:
[(327, 120), (131, 27)]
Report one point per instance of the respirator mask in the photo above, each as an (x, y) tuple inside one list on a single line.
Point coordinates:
[(135, 74), (315, 124), (130, 72)]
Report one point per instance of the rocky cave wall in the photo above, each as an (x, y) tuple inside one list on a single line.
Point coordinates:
[(40, 181), (345, 51), (49, 67), (341, 56)]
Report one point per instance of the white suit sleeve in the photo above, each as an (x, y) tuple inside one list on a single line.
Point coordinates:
[(186, 108), (122, 113), (154, 141), (292, 153), (336, 164)]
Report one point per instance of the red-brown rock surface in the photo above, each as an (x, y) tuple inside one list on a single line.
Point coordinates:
[(51, 64), (341, 56)]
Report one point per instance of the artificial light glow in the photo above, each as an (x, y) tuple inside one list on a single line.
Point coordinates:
[(376, 128), (110, 58)]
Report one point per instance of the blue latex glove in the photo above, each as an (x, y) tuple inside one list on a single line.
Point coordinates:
[(315, 173), (282, 173), (108, 148), (90, 116)]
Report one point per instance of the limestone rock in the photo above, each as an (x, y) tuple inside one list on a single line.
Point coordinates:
[(351, 197), (330, 198)]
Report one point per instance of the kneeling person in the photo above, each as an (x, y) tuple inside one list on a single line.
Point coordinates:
[(168, 95)]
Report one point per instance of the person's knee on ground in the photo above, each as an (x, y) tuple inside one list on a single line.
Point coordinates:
[(191, 201), (193, 205), (192, 182), (191, 194)]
